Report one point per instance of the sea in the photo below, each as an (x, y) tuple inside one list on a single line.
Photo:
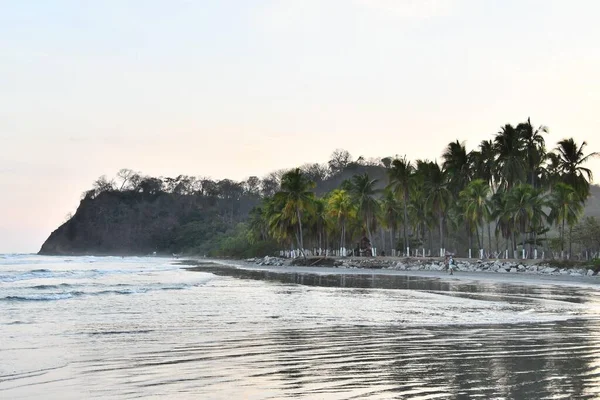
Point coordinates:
[(129, 328)]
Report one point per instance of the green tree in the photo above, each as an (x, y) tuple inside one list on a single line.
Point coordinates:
[(567, 207), (391, 213), (457, 165), (342, 209), (474, 200), (297, 197), (400, 177), (438, 198), (571, 160), (363, 191), (510, 157), (534, 147)]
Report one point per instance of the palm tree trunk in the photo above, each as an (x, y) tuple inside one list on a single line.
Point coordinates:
[(300, 239), (441, 220), (405, 221), (562, 237), (490, 238), (570, 241), (391, 240)]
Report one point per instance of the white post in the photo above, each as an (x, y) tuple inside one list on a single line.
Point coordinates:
[(535, 254), (469, 253), (523, 253), (408, 252), (423, 252)]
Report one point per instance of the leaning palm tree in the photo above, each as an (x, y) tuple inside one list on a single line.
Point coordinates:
[(297, 197), (363, 191), (567, 208), (400, 177), (571, 159)]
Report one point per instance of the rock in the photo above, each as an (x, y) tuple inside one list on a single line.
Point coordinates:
[(549, 270), (590, 272), (513, 270), (521, 267)]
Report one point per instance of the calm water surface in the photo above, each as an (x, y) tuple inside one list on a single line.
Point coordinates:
[(87, 327)]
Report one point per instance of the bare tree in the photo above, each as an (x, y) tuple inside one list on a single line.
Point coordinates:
[(125, 175), (339, 160)]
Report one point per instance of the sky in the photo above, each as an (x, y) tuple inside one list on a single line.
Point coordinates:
[(230, 89)]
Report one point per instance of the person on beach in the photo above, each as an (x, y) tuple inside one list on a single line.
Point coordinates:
[(450, 266)]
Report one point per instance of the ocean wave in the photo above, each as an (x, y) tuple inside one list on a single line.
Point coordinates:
[(40, 297), (77, 293)]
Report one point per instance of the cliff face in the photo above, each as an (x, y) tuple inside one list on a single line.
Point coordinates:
[(127, 223)]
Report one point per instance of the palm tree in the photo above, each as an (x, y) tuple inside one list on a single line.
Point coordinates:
[(567, 207), (297, 197), (341, 208), (534, 147), (520, 207), (571, 159), (363, 192), (391, 213), (501, 214), (400, 176), (438, 198), (474, 205), (511, 165), (483, 161), (457, 163)]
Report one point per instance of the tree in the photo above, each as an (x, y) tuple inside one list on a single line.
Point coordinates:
[(483, 161), (363, 192), (571, 159), (102, 184), (511, 160), (567, 207), (525, 207), (339, 160), (457, 165), (474, 200), (125, 175), (438, 194), (534, 148), (297, 197), (400, 177), (391, 211), (341, 208)]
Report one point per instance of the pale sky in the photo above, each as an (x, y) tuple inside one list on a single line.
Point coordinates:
[(230, 89)]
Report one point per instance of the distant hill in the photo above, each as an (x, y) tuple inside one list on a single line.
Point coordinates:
[(592, 205)]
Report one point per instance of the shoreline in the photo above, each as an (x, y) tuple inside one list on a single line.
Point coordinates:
[(273, 265)]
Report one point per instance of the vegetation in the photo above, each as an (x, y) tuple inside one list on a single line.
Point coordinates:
[(507, 195)]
